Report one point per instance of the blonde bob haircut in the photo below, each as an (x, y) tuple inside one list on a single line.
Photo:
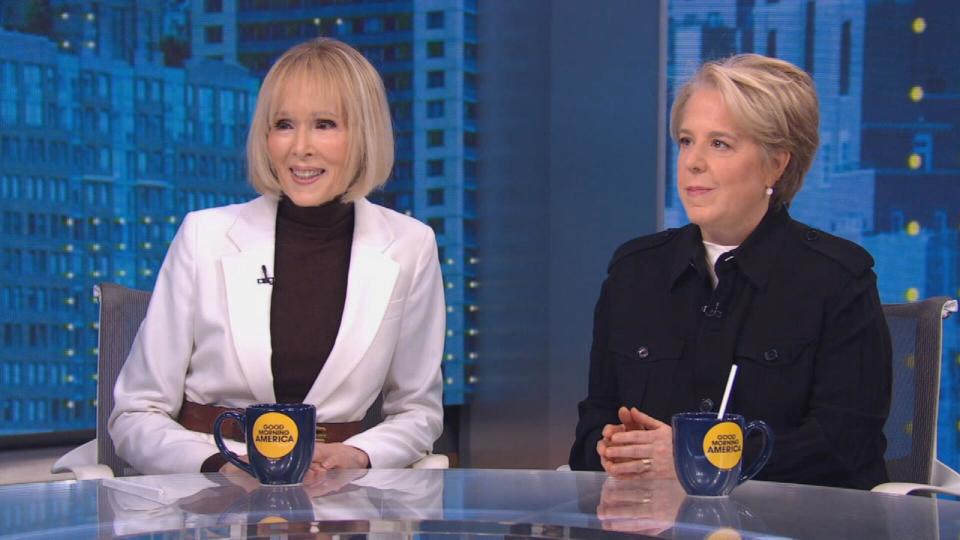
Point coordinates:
[(336, 69), (773, 101)]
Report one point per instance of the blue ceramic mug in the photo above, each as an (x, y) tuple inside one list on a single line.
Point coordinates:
[(708, 452), (280, 439)]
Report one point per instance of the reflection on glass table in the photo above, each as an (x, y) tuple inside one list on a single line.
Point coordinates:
[(458, 503)]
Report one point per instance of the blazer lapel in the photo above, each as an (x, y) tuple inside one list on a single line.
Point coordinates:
[(370, 281), (248, 301)]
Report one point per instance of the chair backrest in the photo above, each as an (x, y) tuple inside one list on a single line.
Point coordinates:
[(121, 311), (916, 331)]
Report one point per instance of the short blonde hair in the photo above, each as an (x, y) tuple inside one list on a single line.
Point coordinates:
[(337, 68), (774, 102)]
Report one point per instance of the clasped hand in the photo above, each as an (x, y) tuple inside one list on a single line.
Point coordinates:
[(640, 444), (327, 456), (639, 504)]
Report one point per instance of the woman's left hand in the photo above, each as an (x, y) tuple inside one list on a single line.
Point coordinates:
[(644, 447), (338, 456)]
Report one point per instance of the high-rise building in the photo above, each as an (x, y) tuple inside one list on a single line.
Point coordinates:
[(911, 132), (117, 118), (426, 52), (696, 33), (827, 41), (103, 148)]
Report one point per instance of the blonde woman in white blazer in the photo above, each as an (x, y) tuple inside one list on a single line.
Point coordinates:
[(320, 138)]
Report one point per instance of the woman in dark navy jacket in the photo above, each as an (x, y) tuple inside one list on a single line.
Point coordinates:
[(795, 308)]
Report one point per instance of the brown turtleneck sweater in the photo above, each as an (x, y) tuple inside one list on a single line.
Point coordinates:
[(311, 262)]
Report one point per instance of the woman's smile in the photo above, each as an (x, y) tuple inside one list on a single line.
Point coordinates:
[(306, 176)]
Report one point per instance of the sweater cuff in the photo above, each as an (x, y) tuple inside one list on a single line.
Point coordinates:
[(213, 463)]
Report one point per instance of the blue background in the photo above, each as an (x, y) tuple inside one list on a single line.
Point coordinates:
[(886, 175), (110, 132)]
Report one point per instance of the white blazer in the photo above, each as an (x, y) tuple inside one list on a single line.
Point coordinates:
[(206, 336)]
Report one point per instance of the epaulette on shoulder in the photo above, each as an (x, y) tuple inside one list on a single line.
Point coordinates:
[(852, 257), (640, 244)]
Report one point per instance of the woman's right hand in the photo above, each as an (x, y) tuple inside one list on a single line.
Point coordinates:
[(640, 445)]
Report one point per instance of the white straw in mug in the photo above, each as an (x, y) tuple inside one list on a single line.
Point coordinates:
[(726, 392)]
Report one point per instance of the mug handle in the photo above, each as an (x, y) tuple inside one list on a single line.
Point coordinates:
[(765, 451), (218, 438)]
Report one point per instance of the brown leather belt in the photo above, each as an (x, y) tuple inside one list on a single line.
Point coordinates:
[(196, 417)]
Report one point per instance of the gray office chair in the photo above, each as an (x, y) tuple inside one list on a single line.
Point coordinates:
[(121, 311), (916, 330)]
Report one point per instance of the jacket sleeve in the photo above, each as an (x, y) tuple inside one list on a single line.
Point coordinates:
[(603, 399), (412, 390), (840, 440), (149, 389)]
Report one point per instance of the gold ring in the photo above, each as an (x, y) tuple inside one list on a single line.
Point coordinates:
[(647, 461)]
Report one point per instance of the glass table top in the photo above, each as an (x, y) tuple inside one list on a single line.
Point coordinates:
[(457, 503)]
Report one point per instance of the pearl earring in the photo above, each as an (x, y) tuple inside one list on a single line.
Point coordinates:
[(769, 191)]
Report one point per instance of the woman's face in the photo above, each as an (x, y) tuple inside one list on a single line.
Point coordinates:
[(307, 143), (722, 176)]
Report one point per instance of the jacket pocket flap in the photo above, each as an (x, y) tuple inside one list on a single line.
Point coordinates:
[(647, 350), (773, 352)]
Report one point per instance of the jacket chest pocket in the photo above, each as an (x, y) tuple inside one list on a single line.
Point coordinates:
[(775, 372), (646, 351), (773, 353), (645, 366)]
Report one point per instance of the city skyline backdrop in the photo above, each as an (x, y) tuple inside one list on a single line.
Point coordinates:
[(117, 118), (887, 170)]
